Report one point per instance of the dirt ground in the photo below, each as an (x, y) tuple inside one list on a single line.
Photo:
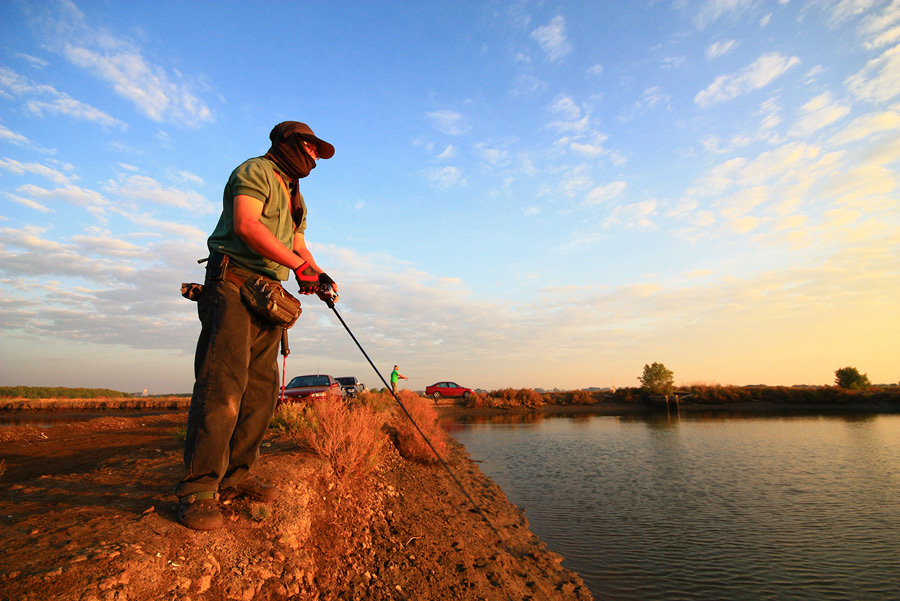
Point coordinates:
[(87, 512)]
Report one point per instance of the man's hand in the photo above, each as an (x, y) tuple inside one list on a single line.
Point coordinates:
[(327, 289), (307, 278)]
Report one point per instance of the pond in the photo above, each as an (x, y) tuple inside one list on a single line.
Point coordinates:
[(707, 507)]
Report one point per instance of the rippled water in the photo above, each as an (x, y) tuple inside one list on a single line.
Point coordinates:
[(708, 508)]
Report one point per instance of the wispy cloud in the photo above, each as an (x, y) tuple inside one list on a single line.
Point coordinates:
[(719, 49), (449, 122), (91, 200), (19, 168), (445, 177), (710, 11), (7, 135), (50, 100), (879, 80), (819, 112), (552, 39), (632, 216), (605, 193), (144, 189), (867, 126), (155, 93), (761, 73), (880, 30)]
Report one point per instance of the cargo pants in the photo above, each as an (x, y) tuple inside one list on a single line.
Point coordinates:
[(235, 389)]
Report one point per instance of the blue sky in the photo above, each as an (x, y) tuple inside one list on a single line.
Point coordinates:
[(524, 194)]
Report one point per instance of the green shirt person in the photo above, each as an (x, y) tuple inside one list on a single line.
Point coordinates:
[(396, 375)]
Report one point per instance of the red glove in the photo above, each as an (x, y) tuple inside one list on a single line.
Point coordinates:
[(307, 278)]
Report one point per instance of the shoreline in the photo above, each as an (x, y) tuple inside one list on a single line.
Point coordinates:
[(167, 404), (87, 511)]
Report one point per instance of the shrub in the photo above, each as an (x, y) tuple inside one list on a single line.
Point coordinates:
[(51, 392), (349, 438), (292, 418), (511, 397), (381, 401), (477, 400), (581, 397), (409, 441)]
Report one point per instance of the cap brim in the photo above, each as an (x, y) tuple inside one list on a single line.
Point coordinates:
[(325, 150)]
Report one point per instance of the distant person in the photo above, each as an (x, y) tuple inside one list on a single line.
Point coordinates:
[(260, 232), (395, 376)]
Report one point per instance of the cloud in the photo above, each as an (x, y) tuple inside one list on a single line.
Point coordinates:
[(552, 39), (120, 63), (449, 122), (7, 135), (527, 84), (446, 177), (448, 153), (73, 108), (632, 216), (868, 126), (819, 112), (672, 62), (710, 11), (491, 156), (652, 98), (143, 189), (19, 168), (58, 103), (603, 194), (147, 87), (566, 107), (596, 70), (883, 29), (92, 201), (27, 202), (879, 80), (579, 126), (34, 61), (593, 148), (762, 72), (719, 49)]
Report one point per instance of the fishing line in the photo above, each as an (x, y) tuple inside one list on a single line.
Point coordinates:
[(421, 433), (504, 585)]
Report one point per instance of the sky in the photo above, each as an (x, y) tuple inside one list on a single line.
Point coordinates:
[(529, 194)]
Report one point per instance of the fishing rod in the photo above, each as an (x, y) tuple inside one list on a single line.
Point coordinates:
[(326, 293)]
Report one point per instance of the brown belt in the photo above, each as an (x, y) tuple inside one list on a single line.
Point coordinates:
[(236, 279)]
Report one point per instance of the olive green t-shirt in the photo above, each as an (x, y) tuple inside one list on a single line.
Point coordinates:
[(257, 178)]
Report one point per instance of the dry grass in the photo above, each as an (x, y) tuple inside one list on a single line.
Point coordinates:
[(348, 437), (409, 441), (508, 397)]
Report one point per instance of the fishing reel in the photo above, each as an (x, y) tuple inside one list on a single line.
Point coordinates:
[(325, 291)]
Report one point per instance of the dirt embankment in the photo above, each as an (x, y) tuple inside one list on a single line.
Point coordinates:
[(87, 513)]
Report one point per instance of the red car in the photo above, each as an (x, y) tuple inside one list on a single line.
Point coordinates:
[(448, 389), (313, 387)]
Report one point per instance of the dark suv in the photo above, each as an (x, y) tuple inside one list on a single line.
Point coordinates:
[(350, 385)]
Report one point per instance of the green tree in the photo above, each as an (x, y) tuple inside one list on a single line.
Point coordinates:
[(657, 379), (849, 377)]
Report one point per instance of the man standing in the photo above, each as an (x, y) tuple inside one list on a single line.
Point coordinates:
[(396, 375), (260, 233)]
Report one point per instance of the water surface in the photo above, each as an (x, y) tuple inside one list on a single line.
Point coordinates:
[(708, 508)]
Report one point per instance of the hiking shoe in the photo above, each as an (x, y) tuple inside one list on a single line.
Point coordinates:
[(252, 489), (200, 511)]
